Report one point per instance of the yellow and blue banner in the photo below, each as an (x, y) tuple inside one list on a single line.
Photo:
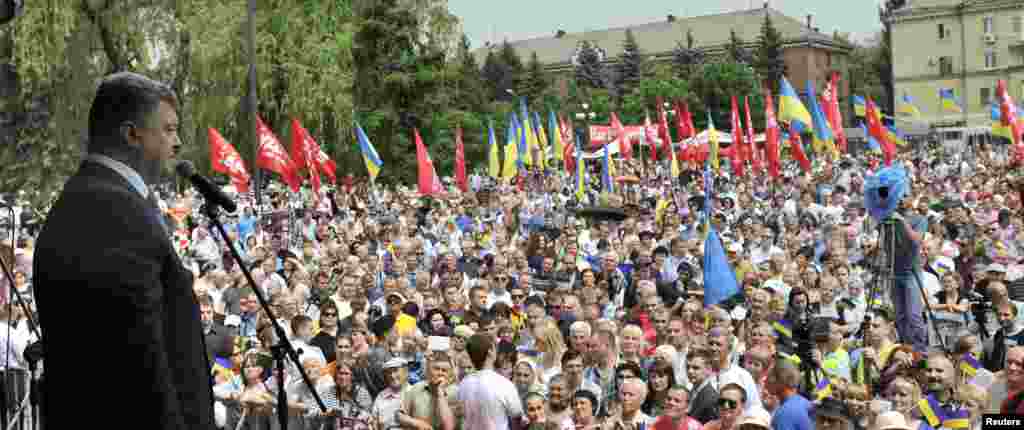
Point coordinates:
[(823, 141), (791, 109), (998, 129), (607, 171), (581, 173), (949, 101), (859, 106), (823, 389), (712, 143), (895, 135), (969, 365), (556, 137), (906, 106), (370, 156), (783, 327), (493, 152)]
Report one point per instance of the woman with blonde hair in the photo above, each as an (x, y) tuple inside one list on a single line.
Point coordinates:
[(904, 393), (975, 399), (551, 345)]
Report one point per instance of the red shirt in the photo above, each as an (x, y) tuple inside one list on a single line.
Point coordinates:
[(665, 423)]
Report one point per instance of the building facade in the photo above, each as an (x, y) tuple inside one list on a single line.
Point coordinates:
[(965, 46), (809, 54)]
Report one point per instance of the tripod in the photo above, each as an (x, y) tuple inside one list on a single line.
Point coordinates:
[(885, 279)]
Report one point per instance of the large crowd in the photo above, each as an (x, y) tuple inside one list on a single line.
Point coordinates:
[(508, 307)]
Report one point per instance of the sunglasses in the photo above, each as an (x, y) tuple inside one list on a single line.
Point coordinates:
[(330, 314), (727, 404)]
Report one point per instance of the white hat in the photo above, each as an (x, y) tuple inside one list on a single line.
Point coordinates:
[(891, 420), (395, 363), (757, 416)]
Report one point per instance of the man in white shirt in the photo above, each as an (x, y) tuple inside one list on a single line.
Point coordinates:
[(489, 401)]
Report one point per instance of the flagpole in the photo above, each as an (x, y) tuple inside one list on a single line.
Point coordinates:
[(251, 101)]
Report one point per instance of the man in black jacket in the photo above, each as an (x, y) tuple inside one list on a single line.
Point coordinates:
[(104, 263)]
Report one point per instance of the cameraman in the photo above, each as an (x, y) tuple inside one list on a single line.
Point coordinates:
[(906, 266)]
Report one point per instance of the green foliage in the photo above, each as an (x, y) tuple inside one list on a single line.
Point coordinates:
[(590, 73), (536, 82), (685, 58), (736, 52), (712, 87), (632, 66), (768, 58)]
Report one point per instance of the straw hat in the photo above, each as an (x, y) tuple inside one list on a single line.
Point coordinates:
[(891, 420)]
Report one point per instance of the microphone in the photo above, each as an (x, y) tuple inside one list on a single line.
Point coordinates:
[(210, 192)]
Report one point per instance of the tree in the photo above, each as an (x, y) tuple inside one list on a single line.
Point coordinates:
[(631, 66), (735, 50), (685, 57), (495, 76), (514, 71), (536, 82), (768, 59), (590, 71), (714, 85), (863, 77)]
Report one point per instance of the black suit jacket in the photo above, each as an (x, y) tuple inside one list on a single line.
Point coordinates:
[(705, 404), (119, 318)]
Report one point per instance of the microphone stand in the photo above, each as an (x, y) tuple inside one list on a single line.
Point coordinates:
[(283, 347), (36, 347)]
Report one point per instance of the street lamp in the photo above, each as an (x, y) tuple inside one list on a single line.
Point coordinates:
[(586, 116)]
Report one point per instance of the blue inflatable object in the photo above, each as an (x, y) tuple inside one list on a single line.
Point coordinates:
[(884, 190)]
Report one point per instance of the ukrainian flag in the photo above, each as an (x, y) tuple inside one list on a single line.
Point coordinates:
[(969, 365), (783, 327), (581, 173), (527, 139), (556, 136), (713, 145), (859, 106), (998, 129), (370, 157), (512, 162), (607, 172), (895, 135), (493, 151), (542, 141), (790, 107), (823, 389), (930, 410), (957, 420), (823, 140), (949, 101), (906, 106)]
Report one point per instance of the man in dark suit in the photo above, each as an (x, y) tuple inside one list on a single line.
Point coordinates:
[(704, 395), (118, 314)]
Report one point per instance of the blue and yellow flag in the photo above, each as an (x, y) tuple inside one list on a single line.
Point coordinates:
[(998, 129), (949, 101), (969, 365), (790, 107), (712, 143), (370, 157), (542, 141), (222, 368), (783, 327), (823, 140), (931, 410), (526, 136), (519, 131), (581, 173), (556, 136), (907, 107), (823, 389), (719, 279), (859, 106), (895, 135), (493, 152), (607, 171), (512, 162)]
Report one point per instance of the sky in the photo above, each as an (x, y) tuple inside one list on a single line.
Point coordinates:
[(496, 20)]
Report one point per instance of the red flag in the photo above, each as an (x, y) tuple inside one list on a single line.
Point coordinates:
[(798, 151), (224, 159), (877, 130), (684, 123), (327, 165), (625, 146), (666, 138), (835, 117), (1008, 111), (273, 157), (753, 153), (428, 180), (460, 162), (737, 156), (304, 153), (568, 145), (771, 136), (650, 138)]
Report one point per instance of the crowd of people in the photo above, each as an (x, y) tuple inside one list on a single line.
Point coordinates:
[(503, 307)]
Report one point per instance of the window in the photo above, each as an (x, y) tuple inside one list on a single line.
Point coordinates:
[(942, 31), (986, 96), (945, 66), (988, 24), (990, 59)]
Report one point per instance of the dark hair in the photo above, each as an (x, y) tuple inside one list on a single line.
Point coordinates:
[(478, 347), (124, 97), (630, 366), (300, 320), (589, 395), (570, 355)]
